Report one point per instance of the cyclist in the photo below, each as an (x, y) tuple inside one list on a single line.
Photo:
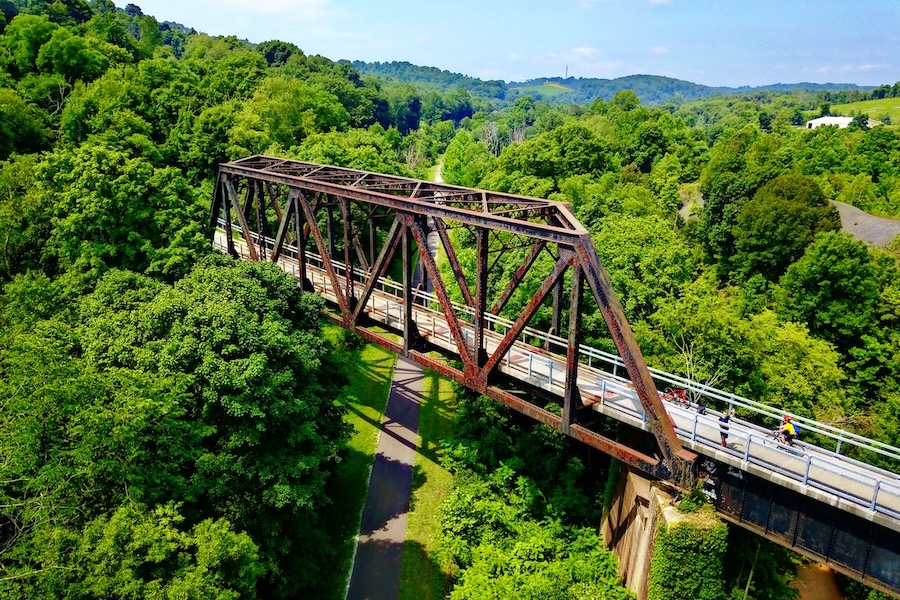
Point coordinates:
[(788, 431)]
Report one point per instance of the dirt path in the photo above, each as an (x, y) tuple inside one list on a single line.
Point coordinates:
[(375, 574), (816, 582)]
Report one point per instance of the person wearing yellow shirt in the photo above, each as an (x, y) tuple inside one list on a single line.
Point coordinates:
[(788, 431)]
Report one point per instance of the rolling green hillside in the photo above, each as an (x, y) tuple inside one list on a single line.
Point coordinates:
[(886, 110)]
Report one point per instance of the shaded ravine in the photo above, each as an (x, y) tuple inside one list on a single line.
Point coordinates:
[(375, 573)]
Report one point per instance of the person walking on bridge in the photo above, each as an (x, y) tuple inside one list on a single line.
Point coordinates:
[(723, 426)]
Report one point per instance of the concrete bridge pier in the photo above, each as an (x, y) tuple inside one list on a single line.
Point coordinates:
[(630, 525)]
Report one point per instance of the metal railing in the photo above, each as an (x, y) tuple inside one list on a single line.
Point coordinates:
[(874, 488)]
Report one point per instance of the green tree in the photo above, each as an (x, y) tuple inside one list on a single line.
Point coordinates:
[(466, 161), (354, 149), (114, 211), (832, 289), (283, 112), (800, 374), (24, 225), (775, 227), (246, 343), (648, 261), (71, 56), (23, 39), (136, 553), (22, 126)]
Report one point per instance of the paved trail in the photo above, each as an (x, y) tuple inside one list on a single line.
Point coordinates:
[(878, 231), (375, 574), (376, 565)]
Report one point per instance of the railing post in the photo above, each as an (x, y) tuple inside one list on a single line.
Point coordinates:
[(694, 430), (874, 504), (530, 362), (808, 464), (747, 449), (602, 393), (550, 364), (840, 440)]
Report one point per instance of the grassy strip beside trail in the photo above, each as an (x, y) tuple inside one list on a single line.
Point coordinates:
[(421, 578), (369, 370)]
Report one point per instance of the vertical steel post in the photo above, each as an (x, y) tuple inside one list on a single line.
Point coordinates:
[(372, 239), (348, 257), (479, 356), (329, 210), (556, 319), (299, 219), (572, 396), (407, 291), (262, 223), (226, 206)]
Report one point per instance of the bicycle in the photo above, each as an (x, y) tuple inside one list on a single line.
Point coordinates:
[(783, 443), (676, 395), (679, 396)]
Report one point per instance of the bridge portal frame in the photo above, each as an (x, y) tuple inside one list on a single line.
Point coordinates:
[(307, 198)]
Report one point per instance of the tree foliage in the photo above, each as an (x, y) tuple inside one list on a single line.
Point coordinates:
[(688, 558), (775, 227)]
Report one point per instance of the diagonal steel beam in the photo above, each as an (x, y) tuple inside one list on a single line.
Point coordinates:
[(322, 245), (565, 261), (283, 228), (384, 256), (242, 218), (518, 276), (450, 251), (439, 289), (680, 459)]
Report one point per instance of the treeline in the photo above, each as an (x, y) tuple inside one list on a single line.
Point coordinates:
[(848, 96), (432, 77)]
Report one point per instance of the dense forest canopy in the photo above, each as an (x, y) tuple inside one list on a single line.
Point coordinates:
[(166, 416)]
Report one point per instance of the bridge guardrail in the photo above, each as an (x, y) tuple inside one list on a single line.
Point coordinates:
[(880, 483)]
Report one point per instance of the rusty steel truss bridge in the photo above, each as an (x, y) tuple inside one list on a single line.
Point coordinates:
[(413, 266)]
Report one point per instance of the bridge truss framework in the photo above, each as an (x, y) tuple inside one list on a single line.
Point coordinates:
[(352, 225), (363, 220)]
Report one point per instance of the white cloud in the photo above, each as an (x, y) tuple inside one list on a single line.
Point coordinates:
[(659, 51), (514, 56), (583, 52)]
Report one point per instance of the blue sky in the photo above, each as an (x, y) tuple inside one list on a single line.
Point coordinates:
[(712, 42)]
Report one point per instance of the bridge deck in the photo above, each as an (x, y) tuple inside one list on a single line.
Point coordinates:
[(839, 481)]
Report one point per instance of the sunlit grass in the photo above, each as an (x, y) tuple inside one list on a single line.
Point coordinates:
[(421, 578), (876, 109), (369, 371), (548, 89)]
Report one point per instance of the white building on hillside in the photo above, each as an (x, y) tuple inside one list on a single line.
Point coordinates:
[(839, 122)]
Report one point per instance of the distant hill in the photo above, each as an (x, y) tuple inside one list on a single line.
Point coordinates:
[(432, 77), (651, 89)]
